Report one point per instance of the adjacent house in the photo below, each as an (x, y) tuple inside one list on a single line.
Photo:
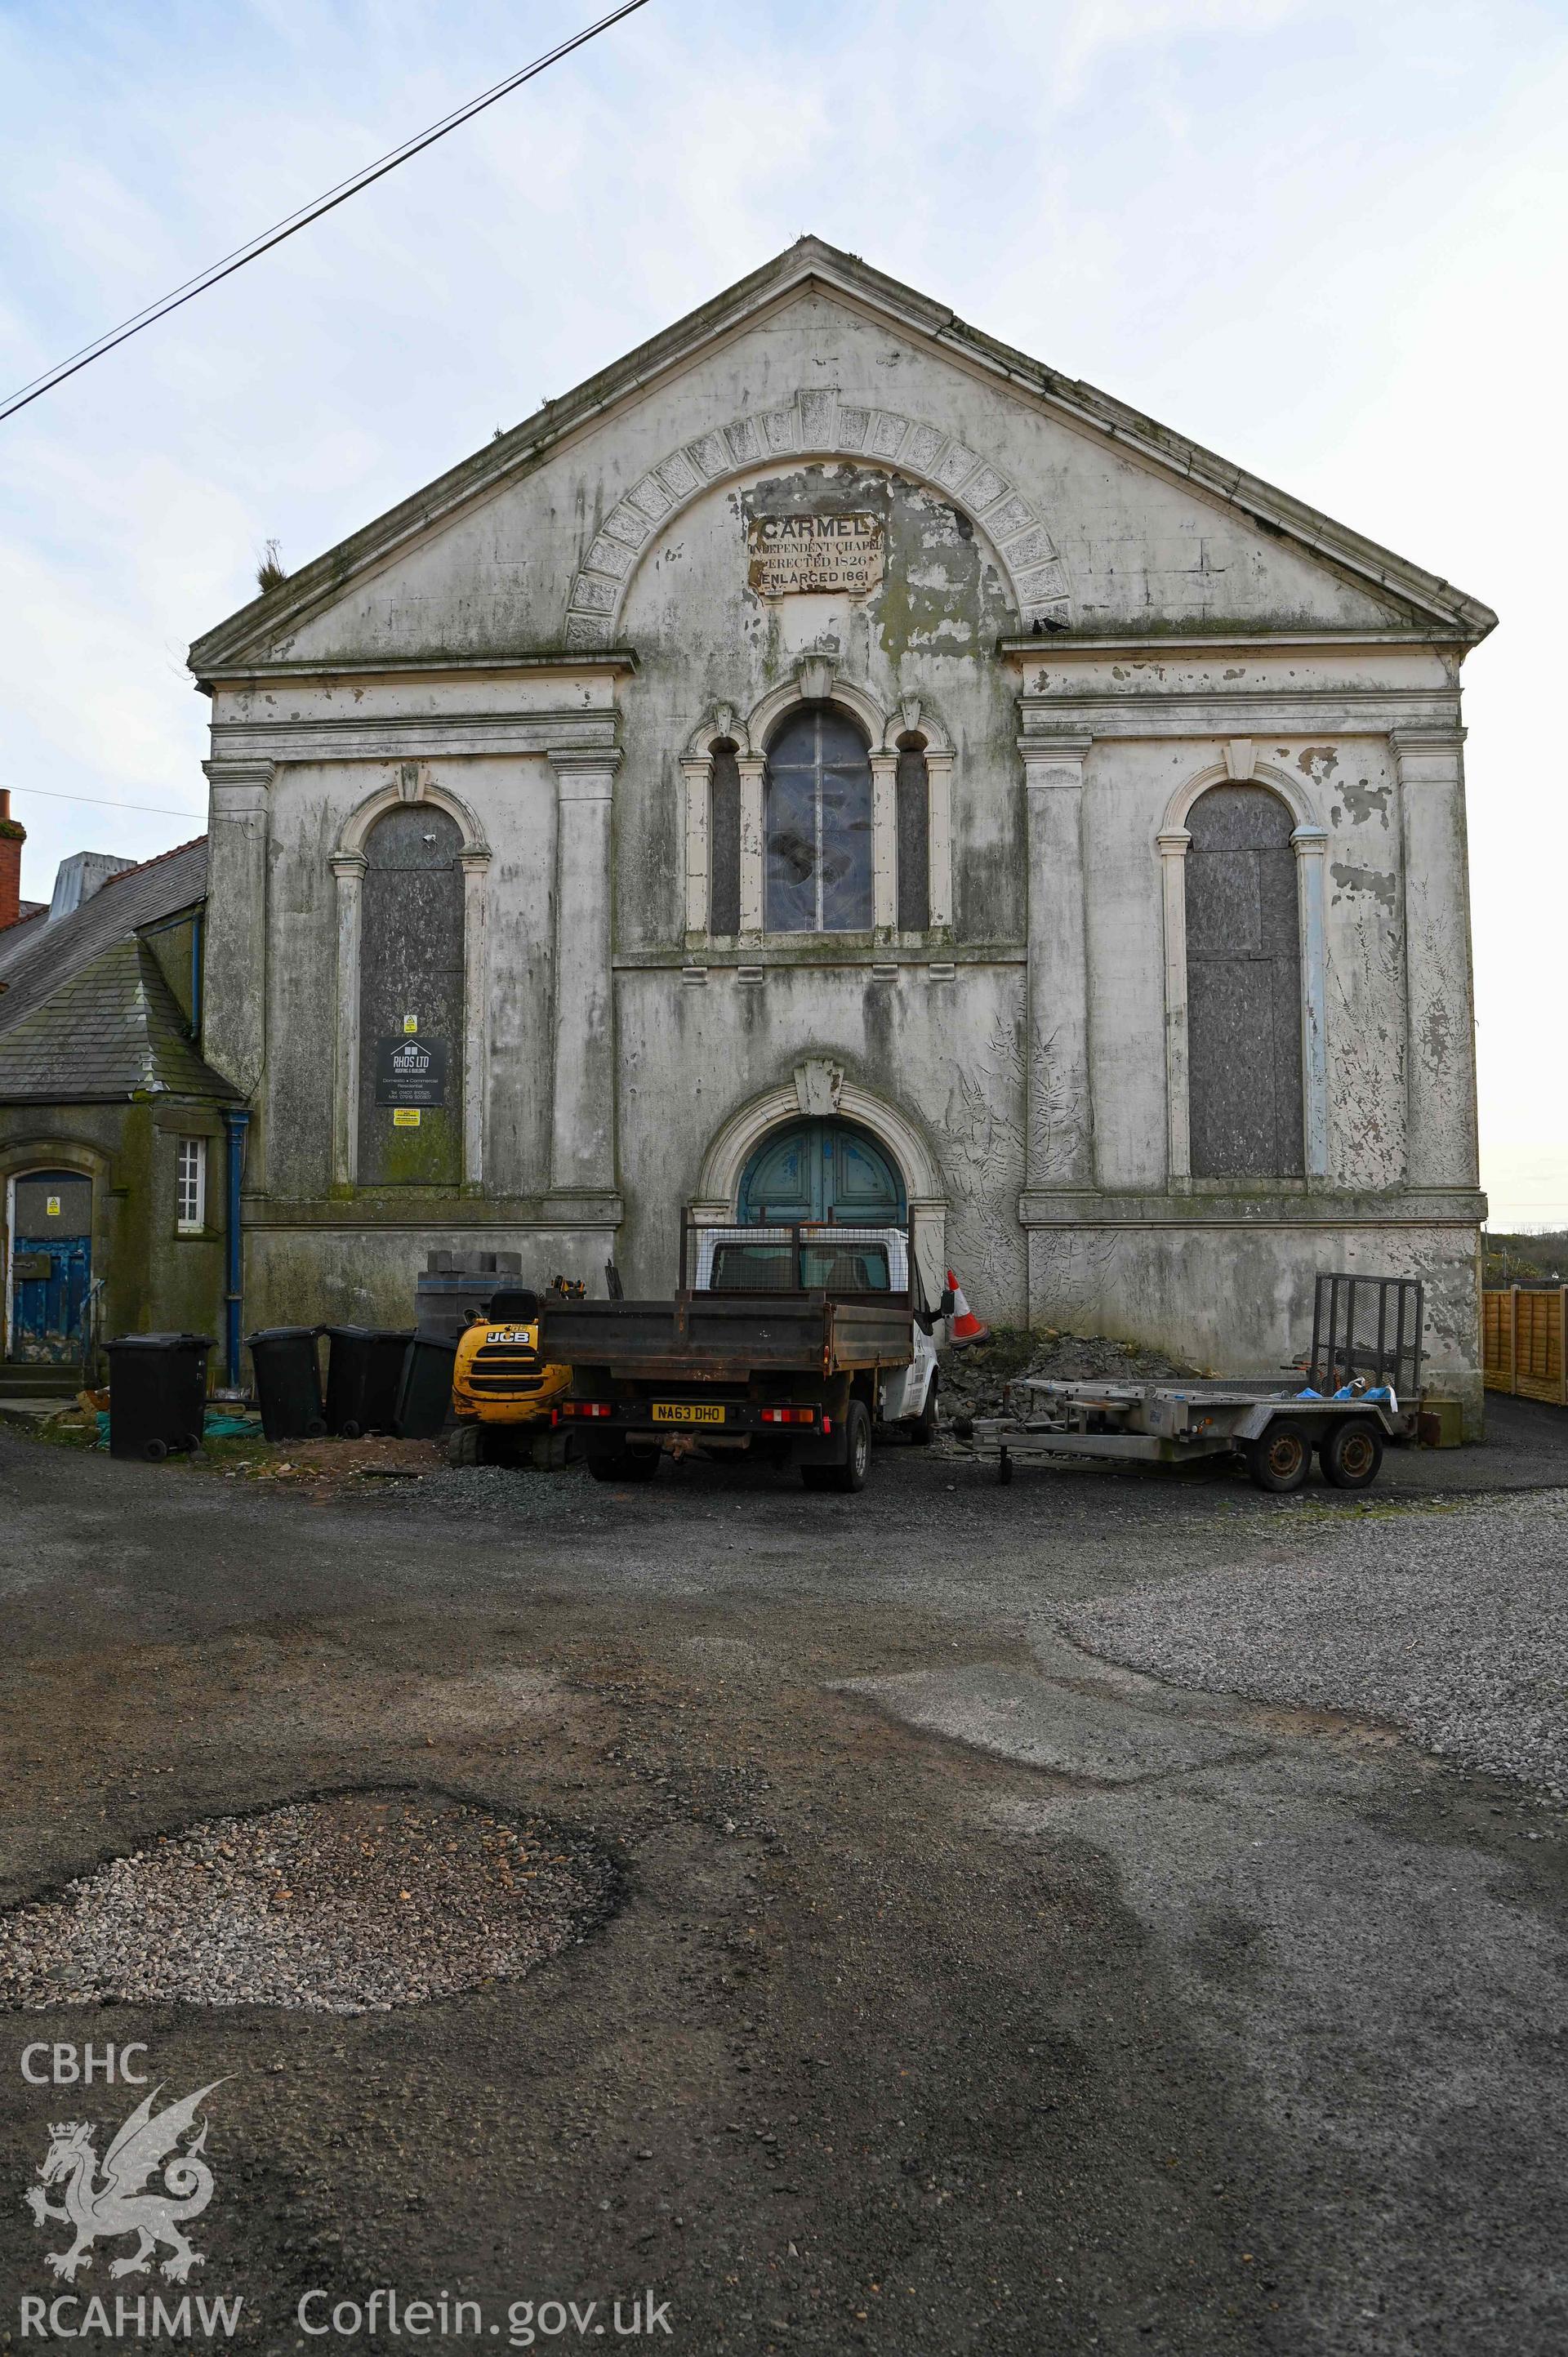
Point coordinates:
[(113, 1152), (833, 764)]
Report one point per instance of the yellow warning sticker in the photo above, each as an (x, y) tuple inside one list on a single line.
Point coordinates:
[(51, 1207), (410, 1022), (406, 1116)]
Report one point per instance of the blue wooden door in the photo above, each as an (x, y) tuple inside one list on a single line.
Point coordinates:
[(52, 1265), (821, 1170)]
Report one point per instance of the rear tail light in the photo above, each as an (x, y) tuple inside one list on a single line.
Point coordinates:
[(588, 1408), (788, 1416)]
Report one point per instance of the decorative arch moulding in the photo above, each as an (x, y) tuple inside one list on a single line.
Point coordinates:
[(818, 680), (413, 784), (745, 1128), (816, 424), (1239, 768)]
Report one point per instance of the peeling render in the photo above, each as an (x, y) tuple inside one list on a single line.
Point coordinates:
[(1382, 886)]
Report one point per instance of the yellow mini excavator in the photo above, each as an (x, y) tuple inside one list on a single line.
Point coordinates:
[(505, 1400)]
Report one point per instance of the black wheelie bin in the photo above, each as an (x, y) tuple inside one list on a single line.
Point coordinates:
[(157, 1393), (364, 1368), (424, 1393), (288, 1381)]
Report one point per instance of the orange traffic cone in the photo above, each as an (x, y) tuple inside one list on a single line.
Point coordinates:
[(964, 1328)]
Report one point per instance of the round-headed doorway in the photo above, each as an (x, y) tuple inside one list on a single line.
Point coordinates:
[(828, 1170)]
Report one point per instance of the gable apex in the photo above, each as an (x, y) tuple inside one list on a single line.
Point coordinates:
[(1438, 609)]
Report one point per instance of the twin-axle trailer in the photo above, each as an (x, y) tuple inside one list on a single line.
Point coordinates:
[(1366, 1348), (1275, 1432)]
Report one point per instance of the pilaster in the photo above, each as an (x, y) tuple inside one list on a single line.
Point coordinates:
[(348, 876), (696, 773), (938, 791), (1059, 1142), (1174, 843), (884, 842), (1440, 1062), (474, 864), (583, 1142), (751, 766), (234, 1015), (1310, 845)]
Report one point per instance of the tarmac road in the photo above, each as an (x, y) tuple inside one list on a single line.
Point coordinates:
[(967, 1991)]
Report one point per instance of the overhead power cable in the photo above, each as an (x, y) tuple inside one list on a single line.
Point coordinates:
[(106, 802), (292, 223)]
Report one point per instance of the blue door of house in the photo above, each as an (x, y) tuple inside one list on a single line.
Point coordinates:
[(821, 1170), (52, 1265)]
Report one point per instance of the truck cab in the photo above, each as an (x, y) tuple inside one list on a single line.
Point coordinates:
[(846, 1264)]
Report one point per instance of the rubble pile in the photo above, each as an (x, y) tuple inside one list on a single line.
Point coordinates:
[(974, 1382)]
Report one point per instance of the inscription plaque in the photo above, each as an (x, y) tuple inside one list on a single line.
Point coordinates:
[(823, 554)]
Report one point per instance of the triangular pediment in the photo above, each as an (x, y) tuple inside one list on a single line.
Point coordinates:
[(527, 547)]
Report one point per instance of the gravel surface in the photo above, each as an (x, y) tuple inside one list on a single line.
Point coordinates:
[(1452, 1625), (351, 1905)]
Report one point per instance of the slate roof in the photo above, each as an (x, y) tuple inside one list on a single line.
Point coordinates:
[(114, 1029), (36, 958), (85, 1013), (24, 935)]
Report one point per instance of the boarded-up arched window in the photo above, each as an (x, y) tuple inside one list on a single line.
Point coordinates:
[(913, 831), (411, 1001), (1243, 987), (817, 825), (724, 840)]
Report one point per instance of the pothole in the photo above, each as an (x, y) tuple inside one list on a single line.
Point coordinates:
[(350, 1905)]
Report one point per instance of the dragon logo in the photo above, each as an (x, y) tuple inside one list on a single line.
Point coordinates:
[(121, 2202)]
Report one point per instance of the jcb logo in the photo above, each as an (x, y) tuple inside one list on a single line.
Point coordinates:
[(79, 2066)]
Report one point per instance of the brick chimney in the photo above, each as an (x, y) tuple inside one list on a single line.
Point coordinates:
[(13, 835)]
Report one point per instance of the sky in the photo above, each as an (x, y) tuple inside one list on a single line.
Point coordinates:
[(1329, 241)]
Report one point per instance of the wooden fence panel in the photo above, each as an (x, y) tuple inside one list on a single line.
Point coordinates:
[(1524, 1343)]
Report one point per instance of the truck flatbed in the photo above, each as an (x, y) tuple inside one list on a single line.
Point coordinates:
[(727, 1337)]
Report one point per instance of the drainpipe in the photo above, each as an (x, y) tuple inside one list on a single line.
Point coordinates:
[(237, 1120)]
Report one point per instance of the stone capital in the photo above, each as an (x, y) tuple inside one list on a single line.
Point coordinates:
[(1428, 743), (585, 773), (1055, 761), (240, 789), (239, 771)]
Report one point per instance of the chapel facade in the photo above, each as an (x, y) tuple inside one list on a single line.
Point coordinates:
[(830, 765)]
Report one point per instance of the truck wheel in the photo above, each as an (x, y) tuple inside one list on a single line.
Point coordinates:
[(1280, 1458), (463, 1448), (923, 1427), (851, 1474), (1350, 1453)]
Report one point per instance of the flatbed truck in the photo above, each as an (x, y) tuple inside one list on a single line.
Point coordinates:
[(786, 1342)]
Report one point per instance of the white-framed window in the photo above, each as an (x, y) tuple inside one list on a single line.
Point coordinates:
[(190, 1185)]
